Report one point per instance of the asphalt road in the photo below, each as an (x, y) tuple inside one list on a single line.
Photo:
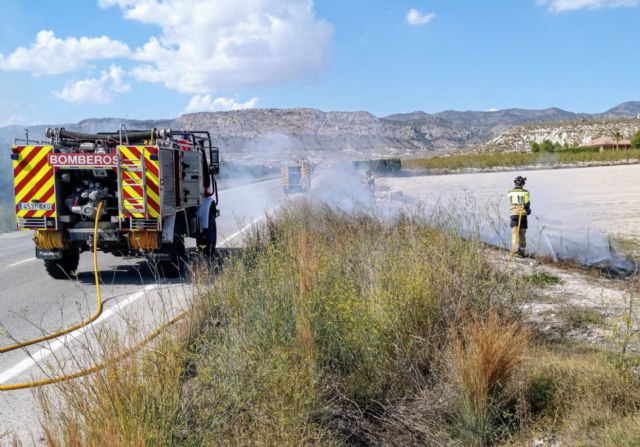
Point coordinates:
[(135, 301)]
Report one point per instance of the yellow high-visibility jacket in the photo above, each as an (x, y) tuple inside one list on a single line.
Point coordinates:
[(519, 201)]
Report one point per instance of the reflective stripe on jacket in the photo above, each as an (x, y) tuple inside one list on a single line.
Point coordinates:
[(518, 201)]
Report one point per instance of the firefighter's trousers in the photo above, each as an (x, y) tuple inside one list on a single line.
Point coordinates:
[(518, 241)]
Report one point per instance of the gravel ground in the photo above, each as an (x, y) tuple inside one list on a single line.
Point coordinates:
[(577, 213)]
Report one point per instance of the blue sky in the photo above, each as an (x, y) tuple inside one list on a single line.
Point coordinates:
[(68, 60)]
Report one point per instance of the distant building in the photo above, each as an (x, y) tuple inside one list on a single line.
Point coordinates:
[(609, 143)]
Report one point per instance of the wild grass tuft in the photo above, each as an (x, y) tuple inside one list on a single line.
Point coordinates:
[(134, 402), (583, 396), (580, 317), (485, 357), (542, 279)]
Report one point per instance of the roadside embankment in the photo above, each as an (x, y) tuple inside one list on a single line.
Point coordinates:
[(335, 328)]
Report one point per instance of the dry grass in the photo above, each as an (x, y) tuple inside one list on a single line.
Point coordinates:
[(579, 317), (581, 396), (485, 356), (327, 315), (331, 328), (133, 403)]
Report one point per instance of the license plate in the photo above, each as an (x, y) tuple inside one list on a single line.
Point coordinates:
[(48, 254), (33, 206)]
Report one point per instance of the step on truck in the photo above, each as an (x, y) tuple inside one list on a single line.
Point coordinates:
[(156, 187)]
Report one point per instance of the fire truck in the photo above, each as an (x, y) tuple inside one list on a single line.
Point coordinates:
[(296, 176), (141, 191)]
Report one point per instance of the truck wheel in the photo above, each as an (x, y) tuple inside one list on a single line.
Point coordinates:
[(64, 268), (207, 242), (174, 267)]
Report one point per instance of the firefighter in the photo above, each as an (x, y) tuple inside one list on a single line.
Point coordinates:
[(371, 181), (520, 208)]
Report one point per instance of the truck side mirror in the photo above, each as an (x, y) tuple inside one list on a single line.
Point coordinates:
[(214, 166)]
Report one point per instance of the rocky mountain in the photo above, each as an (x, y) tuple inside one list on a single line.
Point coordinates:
[(626, 109), (270, 135)]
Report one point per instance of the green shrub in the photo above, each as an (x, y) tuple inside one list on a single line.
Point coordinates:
[(547, 146), (635, 141), (542, 279), (520, 159)]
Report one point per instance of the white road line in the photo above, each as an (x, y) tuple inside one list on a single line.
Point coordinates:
[(43, 353), (249, 185), (21, 262), (242, 230)]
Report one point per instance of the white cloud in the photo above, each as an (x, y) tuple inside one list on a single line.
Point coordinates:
[(51, 55), (572, 5), (95, 90), (210, 45), (416, 18), (207, 103)]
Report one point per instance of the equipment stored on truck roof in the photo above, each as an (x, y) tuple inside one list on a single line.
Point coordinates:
[(296, 176), (156, 187)]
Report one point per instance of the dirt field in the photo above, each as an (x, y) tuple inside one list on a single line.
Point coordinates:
[(577, 213)]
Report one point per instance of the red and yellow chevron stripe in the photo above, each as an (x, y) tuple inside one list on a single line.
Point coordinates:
[(34, 182), (135, 185)]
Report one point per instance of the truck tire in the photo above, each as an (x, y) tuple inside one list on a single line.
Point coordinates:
[(207, 241), (174, 267), (64, 268)]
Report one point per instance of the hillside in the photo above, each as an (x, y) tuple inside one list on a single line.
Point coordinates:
[(261, 134), (573, 133), (244, 132), (270, 135)]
